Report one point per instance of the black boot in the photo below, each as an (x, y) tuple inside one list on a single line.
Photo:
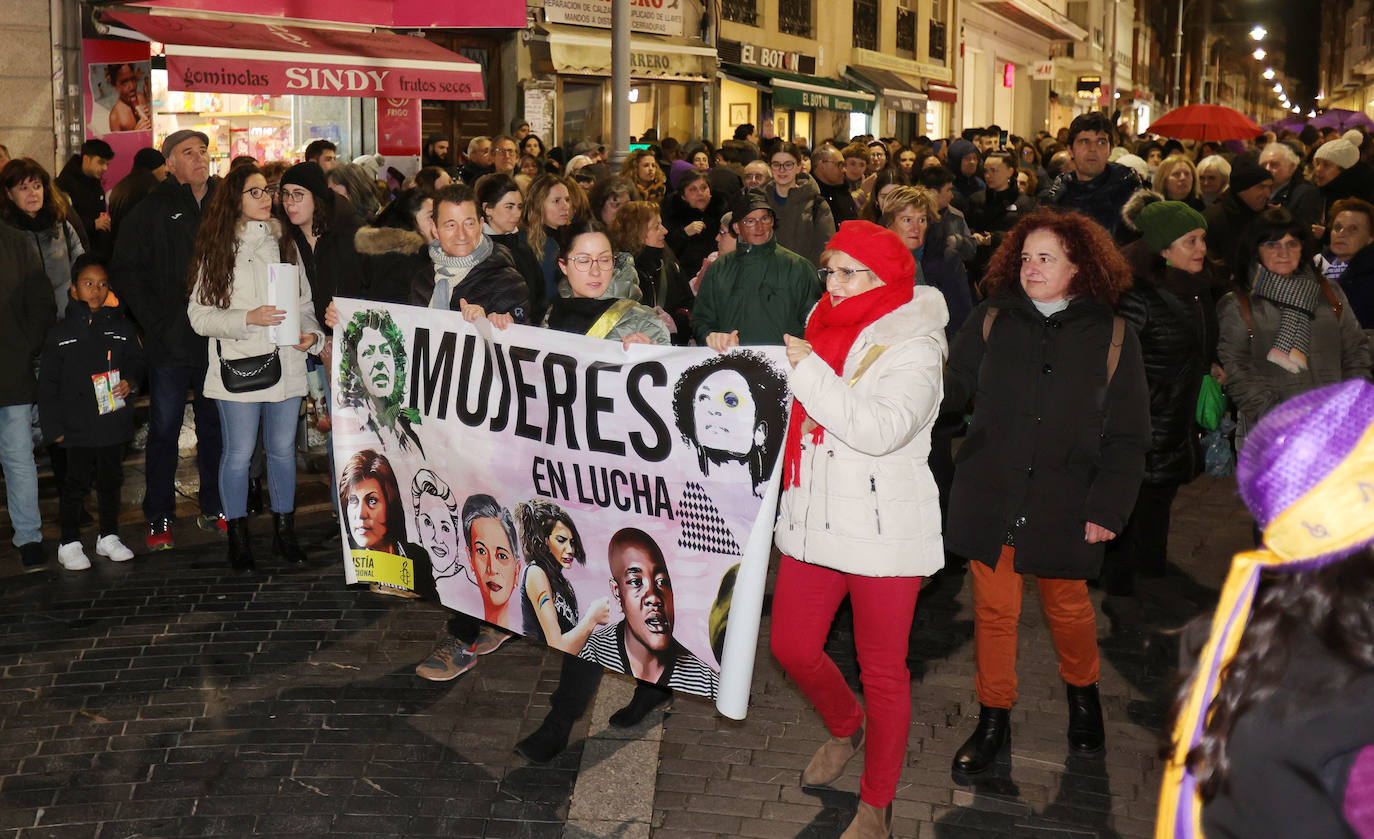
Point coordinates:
[(254, 496), (1086, 734), (284, 539), (980, 750), (240, 547), (647, 697), (547, 741)]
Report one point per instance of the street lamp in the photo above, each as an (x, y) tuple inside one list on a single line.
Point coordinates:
[(1268, 73), (1258, 32), (1259, 53)]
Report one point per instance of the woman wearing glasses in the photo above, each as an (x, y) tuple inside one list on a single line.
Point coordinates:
[(804, 223), (600, 293), (1288, 331), (228, 278), (860, 514)]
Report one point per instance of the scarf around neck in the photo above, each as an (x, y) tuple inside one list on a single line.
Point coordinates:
[(832, 330), (1296, 297), (449, 271)]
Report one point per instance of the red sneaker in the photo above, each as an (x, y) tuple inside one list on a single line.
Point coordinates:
[(160, 535), (213, 524)]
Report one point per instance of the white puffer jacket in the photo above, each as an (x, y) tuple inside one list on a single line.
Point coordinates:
[(257, 249), (867, 503)]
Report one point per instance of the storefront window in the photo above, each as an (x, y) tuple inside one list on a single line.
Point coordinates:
[(667, 107), (582, 112)]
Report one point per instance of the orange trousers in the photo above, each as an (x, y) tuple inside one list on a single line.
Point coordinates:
[(996, 612)]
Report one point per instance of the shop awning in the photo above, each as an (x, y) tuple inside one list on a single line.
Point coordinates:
[(794, 91), (1038, 17), (898, 94), (942, 92), (501, 14), (575, 50), (256, 58)]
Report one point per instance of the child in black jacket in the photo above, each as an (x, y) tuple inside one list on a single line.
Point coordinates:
[(90, 361)]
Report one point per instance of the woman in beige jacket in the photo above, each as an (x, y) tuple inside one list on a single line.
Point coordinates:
[(860, 514), (229, 303)]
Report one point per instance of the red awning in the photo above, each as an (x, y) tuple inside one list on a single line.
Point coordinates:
[(494, 14), (258, 58), (942, 92)]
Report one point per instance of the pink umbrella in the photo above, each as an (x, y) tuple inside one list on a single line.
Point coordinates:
[(1341, 119)]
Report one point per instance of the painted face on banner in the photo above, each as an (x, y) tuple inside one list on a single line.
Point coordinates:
[(493, 559), (377, 363), (724, 413), (367, 513), (561, 545), (438, 533), (645, 593)]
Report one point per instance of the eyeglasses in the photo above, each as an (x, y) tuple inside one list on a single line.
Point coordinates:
[(585, 263), (1281, 246), (752, 222), (294, 196), (783, 165), (511, 152), (842, 274), (259, 191)]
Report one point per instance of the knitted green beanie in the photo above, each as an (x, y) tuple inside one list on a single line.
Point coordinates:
[(1164, 222)]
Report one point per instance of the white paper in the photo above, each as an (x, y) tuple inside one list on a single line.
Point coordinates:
[(284, 292)]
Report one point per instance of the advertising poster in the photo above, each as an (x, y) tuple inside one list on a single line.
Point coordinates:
[(118, 81), (617, 504), (398, 127)]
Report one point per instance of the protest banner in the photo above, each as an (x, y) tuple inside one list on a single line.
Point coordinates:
[(632, 491)]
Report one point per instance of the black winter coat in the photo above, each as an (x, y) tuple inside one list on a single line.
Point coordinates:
[(841, 202), (1051, 446), (388, 259), (148, 272), (333, 258), (942, 268), (1101, 198), (996, 212), (494, 284), (1227, 221), (82, 344), (1301, 198), (88, 200), (27, 312), (1358, 284), (663, 284), (1177, 329), (528, 266), (1355, 182), (692, 250)]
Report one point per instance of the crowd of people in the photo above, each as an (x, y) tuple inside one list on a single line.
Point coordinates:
[(1058, 302)]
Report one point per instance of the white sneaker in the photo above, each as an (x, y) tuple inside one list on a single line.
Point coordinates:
[(72, 557), (110, 546)]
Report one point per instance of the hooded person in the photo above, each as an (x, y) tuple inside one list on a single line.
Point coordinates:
[(1338, 172), (866, 382), (1272, 734), (964, 163)]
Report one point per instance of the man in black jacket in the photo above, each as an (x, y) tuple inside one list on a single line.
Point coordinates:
[(151, 257), (1291, 191), (996, 209), (1096, 188), (1246, 196), (466, 266), (827, 167), (27, 312), (81, 180)]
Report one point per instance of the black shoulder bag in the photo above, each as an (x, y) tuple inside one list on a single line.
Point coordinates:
[(245, 375)]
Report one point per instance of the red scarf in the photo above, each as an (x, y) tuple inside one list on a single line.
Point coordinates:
[(832, 330)]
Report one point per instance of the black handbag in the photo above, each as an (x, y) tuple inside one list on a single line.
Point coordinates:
[(245, 375)]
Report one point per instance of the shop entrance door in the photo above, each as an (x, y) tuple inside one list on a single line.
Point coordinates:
[(461, 121)]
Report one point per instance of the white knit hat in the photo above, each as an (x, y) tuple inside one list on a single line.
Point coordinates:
[(1344, 151), (1137, 163)]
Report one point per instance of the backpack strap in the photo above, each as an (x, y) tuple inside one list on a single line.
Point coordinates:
[(874, 352), (988, 318), (1336, 305), (1246, 314), (1114, 351)]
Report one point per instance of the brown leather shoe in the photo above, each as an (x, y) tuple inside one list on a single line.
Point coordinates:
[(828, 762), (870, 823)]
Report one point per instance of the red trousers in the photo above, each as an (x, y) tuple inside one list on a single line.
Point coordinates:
[(996, 611), (805, 600)]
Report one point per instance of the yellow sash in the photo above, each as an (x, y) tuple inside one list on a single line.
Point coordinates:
[(610, 318)]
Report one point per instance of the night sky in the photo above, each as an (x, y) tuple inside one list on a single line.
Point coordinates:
[(1303, 31)]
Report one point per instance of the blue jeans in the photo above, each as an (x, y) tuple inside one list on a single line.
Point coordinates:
[(167, 386), (21, 475), (240, 422)]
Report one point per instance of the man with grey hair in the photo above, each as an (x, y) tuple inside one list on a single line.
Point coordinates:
[(1291, 191), (827, 167), (479, 160)]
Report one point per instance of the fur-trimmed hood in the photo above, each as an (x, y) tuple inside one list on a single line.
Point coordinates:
[(925, 316), (378, 241)]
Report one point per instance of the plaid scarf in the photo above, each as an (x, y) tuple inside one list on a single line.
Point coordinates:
[(449, 271), (1296, 296)]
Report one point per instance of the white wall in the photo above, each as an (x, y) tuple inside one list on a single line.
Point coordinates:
[(26, 69)]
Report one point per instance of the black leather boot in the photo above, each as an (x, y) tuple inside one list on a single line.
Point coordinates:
[(240, 547), (1086, 733), (284, 539), (980, 750), (547, 741), (254, 496)]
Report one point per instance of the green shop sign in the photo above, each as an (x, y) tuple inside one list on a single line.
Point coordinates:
[(837, 101)]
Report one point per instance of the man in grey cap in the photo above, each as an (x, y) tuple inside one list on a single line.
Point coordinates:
[(148, 271)]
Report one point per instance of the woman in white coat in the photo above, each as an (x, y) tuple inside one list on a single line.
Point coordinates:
[(860, 513), (237, 242)]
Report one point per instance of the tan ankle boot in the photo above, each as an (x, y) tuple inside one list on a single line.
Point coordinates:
[(870, 823), (828, 762)]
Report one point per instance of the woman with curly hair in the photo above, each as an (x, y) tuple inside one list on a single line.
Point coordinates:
[(1054, 455), (229, 302), (642, 168), (638, 231), (1272, 732)]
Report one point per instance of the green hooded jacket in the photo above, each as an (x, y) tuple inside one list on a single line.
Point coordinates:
[(763, 291)]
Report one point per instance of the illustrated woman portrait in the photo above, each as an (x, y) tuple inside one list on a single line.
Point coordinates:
[(437, 524), (493, 550), (732, 408), (552, 546), (372, 377), (371, 501)]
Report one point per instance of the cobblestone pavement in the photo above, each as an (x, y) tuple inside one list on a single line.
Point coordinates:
[(164, 698)]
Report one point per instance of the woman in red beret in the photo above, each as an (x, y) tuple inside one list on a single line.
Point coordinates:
[(860, 513)]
